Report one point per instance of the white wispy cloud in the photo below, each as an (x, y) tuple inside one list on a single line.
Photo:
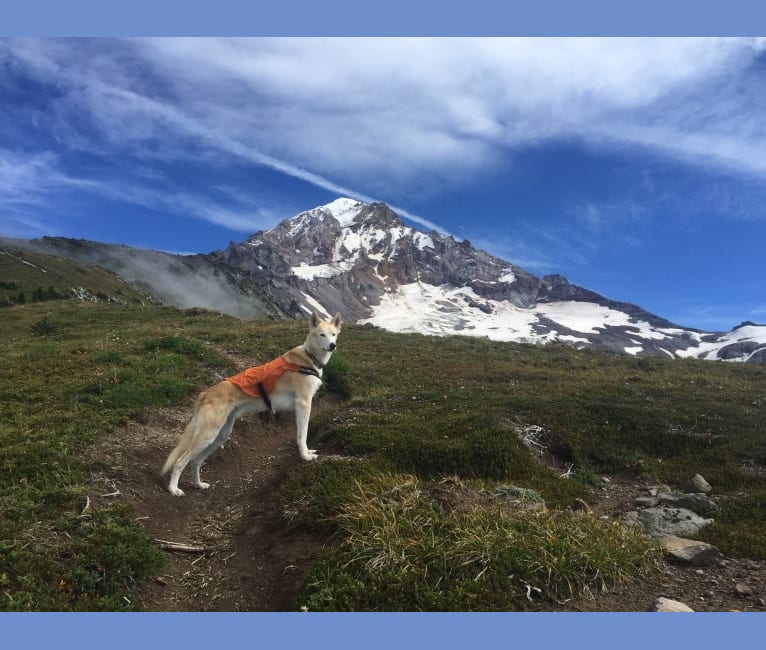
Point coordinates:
[(386, 118), (402, 108), (28, 184), (24, 177), (126, 119)]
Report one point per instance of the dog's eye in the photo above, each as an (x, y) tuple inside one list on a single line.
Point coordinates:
[(322, 335)]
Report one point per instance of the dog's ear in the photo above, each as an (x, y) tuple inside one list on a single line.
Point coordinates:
[(337, 321), (314, 320)]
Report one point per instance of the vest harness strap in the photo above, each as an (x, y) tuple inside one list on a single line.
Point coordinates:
[(259, 381)]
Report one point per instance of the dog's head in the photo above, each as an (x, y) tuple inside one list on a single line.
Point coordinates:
[(324, 333)]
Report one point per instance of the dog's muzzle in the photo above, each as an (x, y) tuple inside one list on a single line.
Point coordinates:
[(332, 347)]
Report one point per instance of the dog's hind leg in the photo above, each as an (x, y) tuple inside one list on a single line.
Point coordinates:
[(196, 480), (197, 443), (196, 463)]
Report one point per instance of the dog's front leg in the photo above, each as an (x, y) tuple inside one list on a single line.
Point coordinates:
[(302, 411)]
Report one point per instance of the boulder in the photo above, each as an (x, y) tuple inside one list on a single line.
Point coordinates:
[(699, 503), (656, 522)]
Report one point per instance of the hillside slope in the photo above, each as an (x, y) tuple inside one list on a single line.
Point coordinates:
[(93, 404), (179, 280), (27, 276)]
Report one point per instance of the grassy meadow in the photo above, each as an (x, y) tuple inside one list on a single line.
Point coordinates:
[(426, 428)]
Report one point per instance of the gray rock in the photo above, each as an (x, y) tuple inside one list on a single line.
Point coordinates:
[(647, 502), (669, 605), (698, 485), (656, 522), (742, 589), (688, 550), (747, 351), (699, 503)]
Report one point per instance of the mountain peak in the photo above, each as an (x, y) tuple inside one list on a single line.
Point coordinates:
[(343, 209)]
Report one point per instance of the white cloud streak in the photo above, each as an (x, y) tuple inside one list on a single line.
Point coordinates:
[(389, 117)]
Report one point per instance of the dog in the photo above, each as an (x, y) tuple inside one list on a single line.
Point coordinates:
[(287, 383)]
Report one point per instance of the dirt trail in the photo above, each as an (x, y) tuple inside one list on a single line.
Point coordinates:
[(249, 562)]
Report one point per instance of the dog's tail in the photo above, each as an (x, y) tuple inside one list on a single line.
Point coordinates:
[(189, 438), (173, 457)]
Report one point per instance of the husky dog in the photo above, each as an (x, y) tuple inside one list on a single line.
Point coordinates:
[(287, 383)]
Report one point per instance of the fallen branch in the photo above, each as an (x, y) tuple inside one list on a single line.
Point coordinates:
[(177, 546)]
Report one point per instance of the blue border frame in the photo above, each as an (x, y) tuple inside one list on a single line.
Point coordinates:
[(392, 17), (403, 18), (207, 631)]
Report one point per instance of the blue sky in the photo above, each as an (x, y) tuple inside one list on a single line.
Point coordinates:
[(634, 167)]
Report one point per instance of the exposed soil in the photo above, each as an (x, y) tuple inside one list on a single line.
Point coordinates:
[(246, 561), (249, 562)]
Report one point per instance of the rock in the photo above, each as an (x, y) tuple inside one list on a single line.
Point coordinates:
[(699, 503), (743, 589), (689, 550), (669, 605), (666, 521), (698, 485), (743, 351), (647, 502)]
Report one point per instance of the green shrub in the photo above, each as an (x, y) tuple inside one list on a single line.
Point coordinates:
[(180, 345), (337, 377), (108, 555), (737, 528), (109, 356), (43, 328)]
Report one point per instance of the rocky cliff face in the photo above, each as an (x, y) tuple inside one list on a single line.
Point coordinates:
[(362, 251), (362, 260)]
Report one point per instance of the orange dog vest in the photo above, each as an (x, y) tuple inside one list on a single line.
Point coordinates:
[(259, 381)]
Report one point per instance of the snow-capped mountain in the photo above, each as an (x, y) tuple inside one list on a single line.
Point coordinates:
[(363, 260)]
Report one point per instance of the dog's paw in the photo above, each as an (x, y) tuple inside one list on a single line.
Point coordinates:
[(309, 455), (176, 492), (202, 485)]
